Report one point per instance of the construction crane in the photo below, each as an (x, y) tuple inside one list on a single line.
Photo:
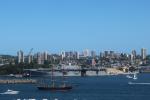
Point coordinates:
[(29, 56)]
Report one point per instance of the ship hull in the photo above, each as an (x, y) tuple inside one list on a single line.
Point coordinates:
[(67, 88)]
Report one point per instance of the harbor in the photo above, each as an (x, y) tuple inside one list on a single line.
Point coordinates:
[(74, 50), (84, 88)]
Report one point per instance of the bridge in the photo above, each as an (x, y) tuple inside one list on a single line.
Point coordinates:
[(82, 71)]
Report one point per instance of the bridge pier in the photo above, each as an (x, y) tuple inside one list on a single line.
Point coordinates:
[(97, 72), (83, 72)]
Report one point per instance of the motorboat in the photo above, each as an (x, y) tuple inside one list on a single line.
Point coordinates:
[(135, 77), (10, 92), (128, 76)]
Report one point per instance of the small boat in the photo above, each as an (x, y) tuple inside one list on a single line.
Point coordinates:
[(10, 92), (54, 87), (132, 77), (135, 77), (128, 76)]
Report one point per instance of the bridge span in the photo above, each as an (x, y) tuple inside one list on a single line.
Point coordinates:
[(79, 72)]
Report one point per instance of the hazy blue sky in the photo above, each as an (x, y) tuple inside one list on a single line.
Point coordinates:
[(55, 25)]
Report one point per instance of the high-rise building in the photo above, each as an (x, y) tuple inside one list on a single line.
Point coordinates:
[(42, 57), (20, 56), (86, 53), (63, 55), (30, 59), (133, 55), (112, 54), (93, 54), (143, 53), (39, 58), (77, 55), (101, 54), (69, 54), (45, 55), (106, 53)]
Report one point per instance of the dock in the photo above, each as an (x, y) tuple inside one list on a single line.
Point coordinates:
[(18, 81)]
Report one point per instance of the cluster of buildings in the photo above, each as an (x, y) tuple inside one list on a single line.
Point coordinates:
[(87, 58), (112, 59), (39, 57)]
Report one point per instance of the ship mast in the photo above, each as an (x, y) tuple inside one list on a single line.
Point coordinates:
[(63, 77), (52, 77)]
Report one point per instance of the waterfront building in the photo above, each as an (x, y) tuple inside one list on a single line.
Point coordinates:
[(93, 62), (20, 55)]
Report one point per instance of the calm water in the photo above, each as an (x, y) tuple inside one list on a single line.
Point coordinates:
[(86, 88)]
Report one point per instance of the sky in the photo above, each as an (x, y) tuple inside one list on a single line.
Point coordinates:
[(56, 25)]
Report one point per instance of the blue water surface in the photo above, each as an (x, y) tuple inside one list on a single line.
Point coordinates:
[(85, 88)]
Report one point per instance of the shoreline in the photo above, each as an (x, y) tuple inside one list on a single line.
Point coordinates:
[(57, 75)]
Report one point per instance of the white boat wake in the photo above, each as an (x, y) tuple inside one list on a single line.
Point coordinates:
[(133, 83), (10, 92)]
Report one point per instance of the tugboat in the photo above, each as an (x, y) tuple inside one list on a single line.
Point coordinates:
[(53, 86)]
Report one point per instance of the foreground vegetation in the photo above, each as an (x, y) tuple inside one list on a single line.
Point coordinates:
[(18, 68)]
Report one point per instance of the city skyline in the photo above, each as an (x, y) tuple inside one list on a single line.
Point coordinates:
[(72, 56), (54, 26), (85, 52)]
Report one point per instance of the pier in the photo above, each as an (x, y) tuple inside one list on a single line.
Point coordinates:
[(18, 81)]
